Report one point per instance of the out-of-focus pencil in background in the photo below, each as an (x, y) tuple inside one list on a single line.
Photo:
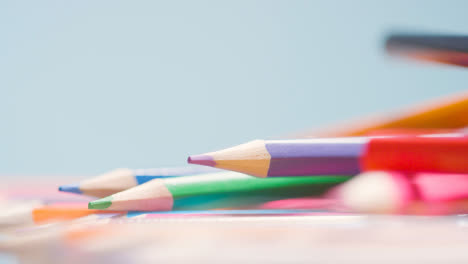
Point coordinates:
[(121, 179)]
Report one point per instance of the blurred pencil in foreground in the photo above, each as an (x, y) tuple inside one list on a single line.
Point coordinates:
[(221, 188), (447, 49), (15, 213), (292, 206), (214, 213), (311, 203), (121, 179), (63, 212), (29, 213), (397, 193)]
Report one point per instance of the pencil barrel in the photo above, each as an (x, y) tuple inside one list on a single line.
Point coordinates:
[(417, 154)]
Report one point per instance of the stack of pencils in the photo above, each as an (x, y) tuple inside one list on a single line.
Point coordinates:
[(414, 162)]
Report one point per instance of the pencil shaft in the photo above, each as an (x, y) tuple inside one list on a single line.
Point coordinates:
[(438, 187), (145, 175), (436, 48), (326, 156), (428, 115), (229, 182), (395, 192), (196, 213), (444, 153), (121, 179), (427, 41), (417, 154), (215, 190)]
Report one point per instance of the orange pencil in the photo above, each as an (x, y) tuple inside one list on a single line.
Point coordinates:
[(413, 132), (30, 213), (64, 212), (447, 113)]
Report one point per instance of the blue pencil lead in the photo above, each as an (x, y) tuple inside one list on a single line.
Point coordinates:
[(71, 188)]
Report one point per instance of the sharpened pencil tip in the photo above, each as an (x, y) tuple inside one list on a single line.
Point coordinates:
[(71, 188), (103, 203), (201, 160)]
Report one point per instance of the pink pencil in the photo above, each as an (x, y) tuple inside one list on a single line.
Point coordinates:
[(441, 187), (397, 193), (300, 203)]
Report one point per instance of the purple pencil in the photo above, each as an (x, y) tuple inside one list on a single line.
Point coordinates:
[(443, 153), (289, 157)]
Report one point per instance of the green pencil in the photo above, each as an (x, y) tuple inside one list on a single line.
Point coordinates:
[(213, 190)]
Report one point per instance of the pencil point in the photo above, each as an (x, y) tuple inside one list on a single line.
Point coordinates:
[(71, 188), (201, 160), (103, 203)]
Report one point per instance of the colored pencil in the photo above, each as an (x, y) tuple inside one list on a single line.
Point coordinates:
[(64, 212), (13, 213), (398, 193), (343, 156), (219, 189), (434, 114), (437, 48), (28, 213), (428, 55), (283, 206), (413, 132), (121, 179), (311, 203), (198, 213), (428, 41)]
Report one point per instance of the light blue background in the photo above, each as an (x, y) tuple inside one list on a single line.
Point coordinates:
[(87, 86)]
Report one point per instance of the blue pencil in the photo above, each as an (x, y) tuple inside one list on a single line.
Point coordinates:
[(121, 179), (188, 213)]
